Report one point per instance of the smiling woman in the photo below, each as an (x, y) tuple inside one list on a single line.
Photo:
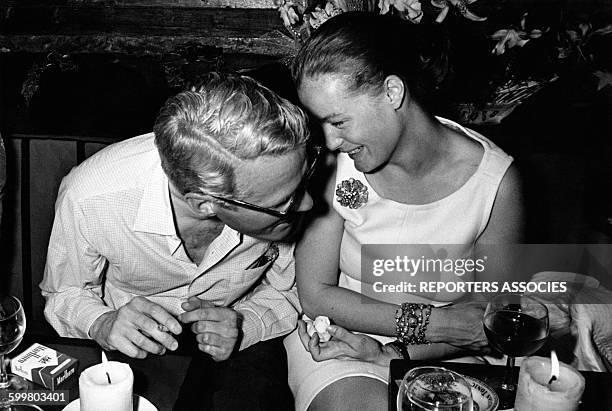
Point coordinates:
[(420, 179)]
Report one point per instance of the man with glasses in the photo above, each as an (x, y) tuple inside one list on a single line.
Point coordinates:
[(185, 229)]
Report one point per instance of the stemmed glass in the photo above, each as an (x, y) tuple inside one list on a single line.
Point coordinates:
[(434, 389), (12, 328), (515, 325)]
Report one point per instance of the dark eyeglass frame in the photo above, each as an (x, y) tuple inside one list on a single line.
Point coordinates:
[(294, 201)]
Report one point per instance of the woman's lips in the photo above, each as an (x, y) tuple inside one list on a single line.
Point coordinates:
[(354, 151)]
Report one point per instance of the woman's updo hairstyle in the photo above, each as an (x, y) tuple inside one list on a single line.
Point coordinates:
[(365, 48)]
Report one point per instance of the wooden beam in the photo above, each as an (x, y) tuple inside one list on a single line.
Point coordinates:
[(140, 30), (145, 20), (274, 44), (237, 4)]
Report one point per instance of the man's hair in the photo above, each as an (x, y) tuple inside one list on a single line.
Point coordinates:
[(365, 48), (204, 133)]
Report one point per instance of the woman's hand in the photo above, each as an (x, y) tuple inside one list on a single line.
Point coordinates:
[(459, 325), (345, 345)]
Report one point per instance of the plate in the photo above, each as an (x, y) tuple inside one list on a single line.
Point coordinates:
[(143, 405), (484, 397)]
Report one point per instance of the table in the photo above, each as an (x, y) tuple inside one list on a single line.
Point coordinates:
[(157, 378), (597, 394)]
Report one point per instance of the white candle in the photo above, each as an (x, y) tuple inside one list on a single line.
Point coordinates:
[(98, 395), (534, 393)]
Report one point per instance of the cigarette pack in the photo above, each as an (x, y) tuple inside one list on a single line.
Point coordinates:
[(45, 366)]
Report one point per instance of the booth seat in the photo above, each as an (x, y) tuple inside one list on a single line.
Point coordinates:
[(36, 165)]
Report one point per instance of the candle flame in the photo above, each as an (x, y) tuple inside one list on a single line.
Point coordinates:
[(105, 365), (554, 367)]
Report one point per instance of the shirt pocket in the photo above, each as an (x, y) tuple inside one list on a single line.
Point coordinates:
[(250, 276), (244, 282)]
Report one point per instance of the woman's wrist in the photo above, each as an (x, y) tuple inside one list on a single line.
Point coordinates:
[(390, 352), (437, 324), (401, 349), (412, 320)]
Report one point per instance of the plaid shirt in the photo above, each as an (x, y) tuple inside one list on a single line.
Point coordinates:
[(114, 238)]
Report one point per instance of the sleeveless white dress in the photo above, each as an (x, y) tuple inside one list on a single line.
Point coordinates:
[(459, 218)]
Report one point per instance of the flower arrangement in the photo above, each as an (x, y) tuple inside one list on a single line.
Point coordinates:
[(512, 50)]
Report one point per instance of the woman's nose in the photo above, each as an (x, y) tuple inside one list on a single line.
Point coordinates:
[(332, 138)]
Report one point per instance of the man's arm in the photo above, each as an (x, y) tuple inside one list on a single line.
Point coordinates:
[(272, 308), (72, 282)]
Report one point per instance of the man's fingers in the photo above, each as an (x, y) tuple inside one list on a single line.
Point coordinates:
[(151, 328), (216, 328), (170, 325), (127, 347), (136, 329), (199, 302), (222, 329), (140, 306), (163, 317), (166, 340), (214, 339), (222, 314), (194, 303), (217, 354), (147, 335), (131, 350), (142, 342)]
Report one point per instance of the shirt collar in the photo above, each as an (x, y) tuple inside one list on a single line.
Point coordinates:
[(221, 246), (155, 210)]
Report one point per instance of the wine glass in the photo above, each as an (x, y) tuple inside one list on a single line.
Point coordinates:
[(12, 328), (434, 389), (515, 325)]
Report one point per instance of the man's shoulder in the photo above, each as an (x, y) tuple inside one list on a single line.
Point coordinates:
[(118, 167)]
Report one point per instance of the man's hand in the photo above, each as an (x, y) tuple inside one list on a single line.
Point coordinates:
[(216, 328), (136, 329), (344, 345)]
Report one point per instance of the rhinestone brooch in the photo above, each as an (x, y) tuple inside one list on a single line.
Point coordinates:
[(351, 193)]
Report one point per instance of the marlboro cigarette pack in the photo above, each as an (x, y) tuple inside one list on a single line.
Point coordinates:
[(44, 366)]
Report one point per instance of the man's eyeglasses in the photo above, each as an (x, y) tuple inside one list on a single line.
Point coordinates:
[(313, 155)]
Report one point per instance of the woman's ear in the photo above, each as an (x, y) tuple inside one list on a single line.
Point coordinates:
[(395, 91), (201, 204)]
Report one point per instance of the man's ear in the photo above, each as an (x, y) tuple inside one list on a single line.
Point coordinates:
[(395, 91), (201, 204)]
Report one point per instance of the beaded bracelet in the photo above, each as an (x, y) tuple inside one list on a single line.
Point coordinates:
[(411, 322)]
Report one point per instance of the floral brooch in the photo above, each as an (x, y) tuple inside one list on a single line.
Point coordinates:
[(351, 193)]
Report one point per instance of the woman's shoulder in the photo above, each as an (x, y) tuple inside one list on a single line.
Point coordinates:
[(473, 150), (467, 133)]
